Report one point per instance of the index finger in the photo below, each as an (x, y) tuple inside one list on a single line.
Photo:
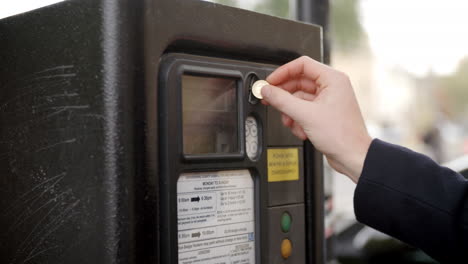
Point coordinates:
[(302, 66)]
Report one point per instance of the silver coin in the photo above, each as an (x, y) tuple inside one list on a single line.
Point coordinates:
[(257, 88)]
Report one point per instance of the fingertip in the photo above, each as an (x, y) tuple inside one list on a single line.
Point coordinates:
[(301, 135), (298, 131), (270, 79), (287, 121), (277, 76), (266, 91)]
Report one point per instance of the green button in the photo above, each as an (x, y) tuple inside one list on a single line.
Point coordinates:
[(286, 222)]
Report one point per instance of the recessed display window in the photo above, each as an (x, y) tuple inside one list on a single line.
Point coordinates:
[(210, 115)]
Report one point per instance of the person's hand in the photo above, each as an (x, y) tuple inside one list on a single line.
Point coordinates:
[(318, 103)]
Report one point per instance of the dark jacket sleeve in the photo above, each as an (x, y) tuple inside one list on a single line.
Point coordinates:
[(408, 196)]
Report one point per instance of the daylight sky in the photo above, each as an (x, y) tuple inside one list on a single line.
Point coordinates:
[(9, 8), (417, 35)]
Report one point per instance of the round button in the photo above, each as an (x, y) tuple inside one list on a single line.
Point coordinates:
[(286, 222), (251, 138), (286, 248)]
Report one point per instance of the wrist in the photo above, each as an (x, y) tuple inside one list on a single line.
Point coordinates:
[(350, 162), (356, 158)]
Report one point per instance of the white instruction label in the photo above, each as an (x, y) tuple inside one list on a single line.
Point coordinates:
[(215, 214)]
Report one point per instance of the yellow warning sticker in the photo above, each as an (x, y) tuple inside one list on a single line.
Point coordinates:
[(283, 164)]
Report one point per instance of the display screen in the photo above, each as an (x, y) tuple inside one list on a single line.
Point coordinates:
[(210, 119)]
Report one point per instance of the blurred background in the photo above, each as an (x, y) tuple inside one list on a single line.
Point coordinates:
[(408, 62)]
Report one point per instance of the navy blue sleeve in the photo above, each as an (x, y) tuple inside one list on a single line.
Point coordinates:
[(410, 197)]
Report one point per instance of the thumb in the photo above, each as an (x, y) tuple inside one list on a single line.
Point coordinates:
[(285, 102)]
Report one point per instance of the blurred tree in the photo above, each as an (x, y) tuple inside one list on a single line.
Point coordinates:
[(226, 2), (278, 8), (454, 89), (346, 32), (345, 25)]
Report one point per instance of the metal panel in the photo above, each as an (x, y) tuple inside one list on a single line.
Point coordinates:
[(79, 136)]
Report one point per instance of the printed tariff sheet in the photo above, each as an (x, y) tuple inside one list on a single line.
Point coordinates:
[(215, 214)]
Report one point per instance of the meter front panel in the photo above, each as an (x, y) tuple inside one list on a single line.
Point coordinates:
[(233, 189)]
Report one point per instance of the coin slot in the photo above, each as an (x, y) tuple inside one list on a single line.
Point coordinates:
[(251, 79)]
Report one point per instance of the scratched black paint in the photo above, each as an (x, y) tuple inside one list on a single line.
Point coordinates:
[(78, 118)]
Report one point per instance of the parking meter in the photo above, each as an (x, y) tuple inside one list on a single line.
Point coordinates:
[(130, 135)]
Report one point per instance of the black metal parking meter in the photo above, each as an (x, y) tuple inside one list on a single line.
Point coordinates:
[(129, 134)]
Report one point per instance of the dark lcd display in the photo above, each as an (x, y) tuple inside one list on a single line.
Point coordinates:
[(210, 119)]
